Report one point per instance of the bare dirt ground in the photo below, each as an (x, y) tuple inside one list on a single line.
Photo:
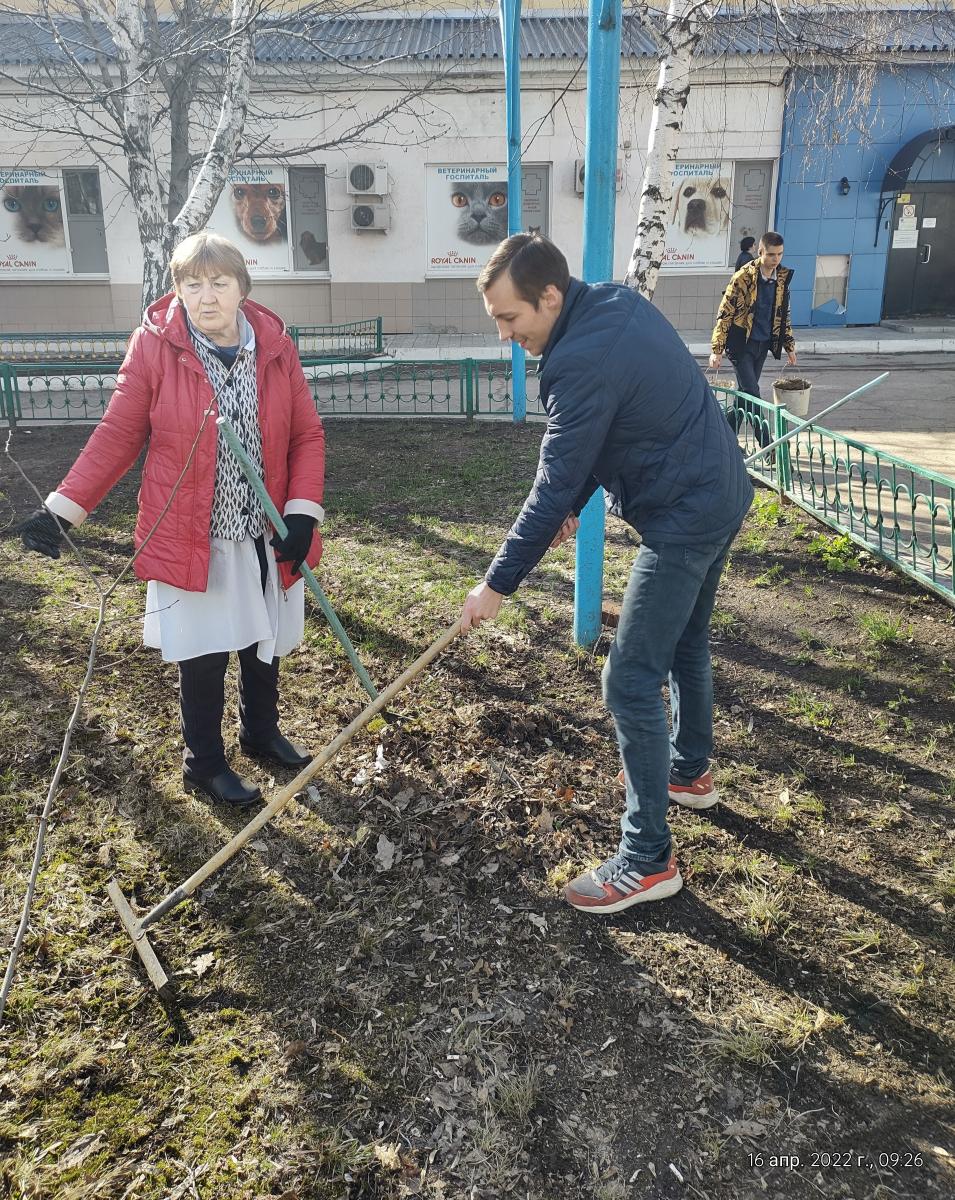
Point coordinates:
[(385, 996)]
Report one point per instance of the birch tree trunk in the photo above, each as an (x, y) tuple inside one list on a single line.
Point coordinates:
[(126, 21), (233, 110), (681, 35), (160, 228)]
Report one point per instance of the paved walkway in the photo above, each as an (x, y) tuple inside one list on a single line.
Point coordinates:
[(915, 337)]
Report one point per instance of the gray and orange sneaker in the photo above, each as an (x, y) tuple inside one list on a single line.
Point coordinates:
[(618, 883), (701, 793)]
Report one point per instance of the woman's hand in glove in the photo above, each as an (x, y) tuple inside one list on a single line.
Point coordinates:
[(43, 532), (294, 547)]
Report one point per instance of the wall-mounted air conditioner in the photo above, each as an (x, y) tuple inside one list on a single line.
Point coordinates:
[(579, 176), (370, 216), (367, 179)]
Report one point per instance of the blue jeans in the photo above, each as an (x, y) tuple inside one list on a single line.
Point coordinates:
[(748, 364), (663, 633)]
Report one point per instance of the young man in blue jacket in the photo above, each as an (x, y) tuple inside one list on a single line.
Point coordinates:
[(627, 409)]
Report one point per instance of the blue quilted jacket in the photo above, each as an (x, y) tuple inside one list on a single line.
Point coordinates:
[(629, 409)]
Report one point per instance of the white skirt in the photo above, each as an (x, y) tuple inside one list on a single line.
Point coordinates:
[(232, 613)]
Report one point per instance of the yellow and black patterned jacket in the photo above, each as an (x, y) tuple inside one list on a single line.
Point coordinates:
[(734, 321)]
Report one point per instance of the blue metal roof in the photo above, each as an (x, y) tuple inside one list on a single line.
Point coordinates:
[(544, 36)]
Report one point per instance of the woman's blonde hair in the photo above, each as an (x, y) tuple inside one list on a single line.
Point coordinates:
[(205, 255)]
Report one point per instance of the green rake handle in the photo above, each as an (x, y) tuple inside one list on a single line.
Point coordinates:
[(282, 529)]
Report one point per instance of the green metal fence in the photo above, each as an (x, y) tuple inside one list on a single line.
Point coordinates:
[(353, 338), (56, 391), (68, 347), (895, 509)]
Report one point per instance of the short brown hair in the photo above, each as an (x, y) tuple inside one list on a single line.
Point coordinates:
[(207, 254), (772, 238), (533, 263)]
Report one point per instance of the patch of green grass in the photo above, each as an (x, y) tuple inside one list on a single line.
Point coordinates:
[(887, 816), (942, 882), (790, 1024), (911, 988), (852, 681), (859, 941), (765, 908), (880, 630), (752, 541), (747, 1046), (723, 622), (516, 1095), (810, 640), (767, 510), (770, 578), (816, 713), (837, 553)]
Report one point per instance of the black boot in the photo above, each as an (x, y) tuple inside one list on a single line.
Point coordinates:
[(276, 749), (225, 788)]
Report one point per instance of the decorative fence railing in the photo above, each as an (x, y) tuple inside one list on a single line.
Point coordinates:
[(349, 340), (67, 347), (897, 510)]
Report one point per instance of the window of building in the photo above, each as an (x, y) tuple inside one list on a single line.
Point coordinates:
[(277, 216), (309, 218), (752, 192), (715, 204), (832, 282), (51, 222)]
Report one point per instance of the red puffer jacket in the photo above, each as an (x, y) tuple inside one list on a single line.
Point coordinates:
[(161, 393)]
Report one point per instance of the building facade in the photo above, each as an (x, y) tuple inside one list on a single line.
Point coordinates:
[(400, 225), (866, 197)]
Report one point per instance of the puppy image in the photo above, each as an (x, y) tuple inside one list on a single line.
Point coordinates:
[(701, 206), (260, 210), (314, 250)]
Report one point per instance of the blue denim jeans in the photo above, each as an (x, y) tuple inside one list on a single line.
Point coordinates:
[(748, 364), (663, 634)]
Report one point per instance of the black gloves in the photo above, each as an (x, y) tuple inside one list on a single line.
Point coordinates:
[(294, 547), (43, 532)]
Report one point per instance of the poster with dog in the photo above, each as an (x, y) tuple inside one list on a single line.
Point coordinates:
[(699, 219), (252, 212), (32, 231)]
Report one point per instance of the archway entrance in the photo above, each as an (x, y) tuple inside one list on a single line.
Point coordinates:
[(920, 186)]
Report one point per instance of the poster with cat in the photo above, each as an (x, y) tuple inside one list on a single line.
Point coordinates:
[(32, 234), (252, 212), (467, 216)]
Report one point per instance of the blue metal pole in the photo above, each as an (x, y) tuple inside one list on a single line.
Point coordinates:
[(600, 194), (510, 14)]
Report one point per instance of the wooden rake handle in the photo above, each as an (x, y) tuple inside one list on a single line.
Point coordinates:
[(283, 797)]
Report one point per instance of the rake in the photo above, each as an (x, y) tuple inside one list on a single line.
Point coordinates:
[(137, 927), (231, 437)]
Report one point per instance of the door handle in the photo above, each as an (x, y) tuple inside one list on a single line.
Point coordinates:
[(926, 253)]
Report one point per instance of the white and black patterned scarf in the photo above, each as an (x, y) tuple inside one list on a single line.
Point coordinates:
[(236, 509)]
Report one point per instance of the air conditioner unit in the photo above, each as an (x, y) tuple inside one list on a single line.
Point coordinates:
[(579, 176), (367, 179), (370, 216)]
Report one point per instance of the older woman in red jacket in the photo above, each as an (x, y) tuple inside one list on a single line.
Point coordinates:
[(216, 582)]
